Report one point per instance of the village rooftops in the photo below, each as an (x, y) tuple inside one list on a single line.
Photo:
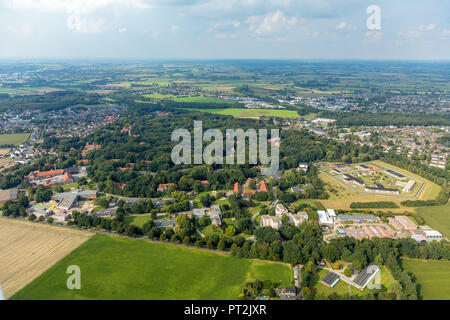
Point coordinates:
[(8, 195)]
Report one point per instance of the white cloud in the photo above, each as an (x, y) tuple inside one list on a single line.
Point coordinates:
[(372, 36), (446, 32), (175, 28), (122, 30), (270, 23), (79, 19), (341, 25), (427, 27)]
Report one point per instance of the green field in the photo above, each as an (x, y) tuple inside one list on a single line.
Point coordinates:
[(15, 139), (252, 113), (437, 217), (433, 277), (138, 221), (118, 268)]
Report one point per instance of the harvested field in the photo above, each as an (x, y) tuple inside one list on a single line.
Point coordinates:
[(28, 249)]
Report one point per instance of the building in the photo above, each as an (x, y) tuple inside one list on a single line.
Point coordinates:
[(298, 189), (326, 218), (365, 218), (366, 276), (298, 219), (271, 221), (237, 188), (409, 186), (380, 189), (330, 280), (9, 195), (67, 200), (165, 186), (303, 166), (395, 174), (216, 215), (199, 213), (427, 235), (280, 210), (351, 179), (164, 223), (287, 293), (402, 223)]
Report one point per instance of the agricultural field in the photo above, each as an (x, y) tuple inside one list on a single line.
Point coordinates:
[(341, 195), (29, 249), (119, 268), (437, 218), (252, 113), (199, 99), (432, 276), (13, 139)]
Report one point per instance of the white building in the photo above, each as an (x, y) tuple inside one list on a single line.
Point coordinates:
[(280, 210), (298, 219), (409, 186), (326, 218), (270, 221)]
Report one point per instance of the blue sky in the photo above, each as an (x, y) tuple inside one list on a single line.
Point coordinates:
[(223, 29)]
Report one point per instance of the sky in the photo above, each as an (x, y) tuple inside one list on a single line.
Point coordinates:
[(224, 29)]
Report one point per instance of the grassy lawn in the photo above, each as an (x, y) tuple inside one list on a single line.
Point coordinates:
[(117, 268), (138, 221), (340, 288), (14, 139), (252, 113), (433, 277), (437, 217)]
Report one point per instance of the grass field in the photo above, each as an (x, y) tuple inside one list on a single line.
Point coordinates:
[(118, 268), (252, 113), (14, 139), (138, 221), (343, 197), (342, 287), (437, 217), (28, 249), (432, 276)]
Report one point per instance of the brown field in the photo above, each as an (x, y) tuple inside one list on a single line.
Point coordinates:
[(345, 196), (4, 151), (28, 249)]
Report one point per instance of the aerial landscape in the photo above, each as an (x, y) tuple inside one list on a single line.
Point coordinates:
[(97, 203)]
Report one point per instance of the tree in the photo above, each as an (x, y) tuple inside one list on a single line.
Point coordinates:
[(230, 231), (348, 272), (50, 220), (32, 217), (221, 245)]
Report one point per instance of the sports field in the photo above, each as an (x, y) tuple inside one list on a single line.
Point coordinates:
[(433, 277), (437, 217), (28, 249), (14, 139), (119, 268), (252, 113)]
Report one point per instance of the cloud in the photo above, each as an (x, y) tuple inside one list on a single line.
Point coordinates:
[(79, 12), (446, 32), (175, 28), (271, 23), (341, 25), (122, 30), (428, 27)]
